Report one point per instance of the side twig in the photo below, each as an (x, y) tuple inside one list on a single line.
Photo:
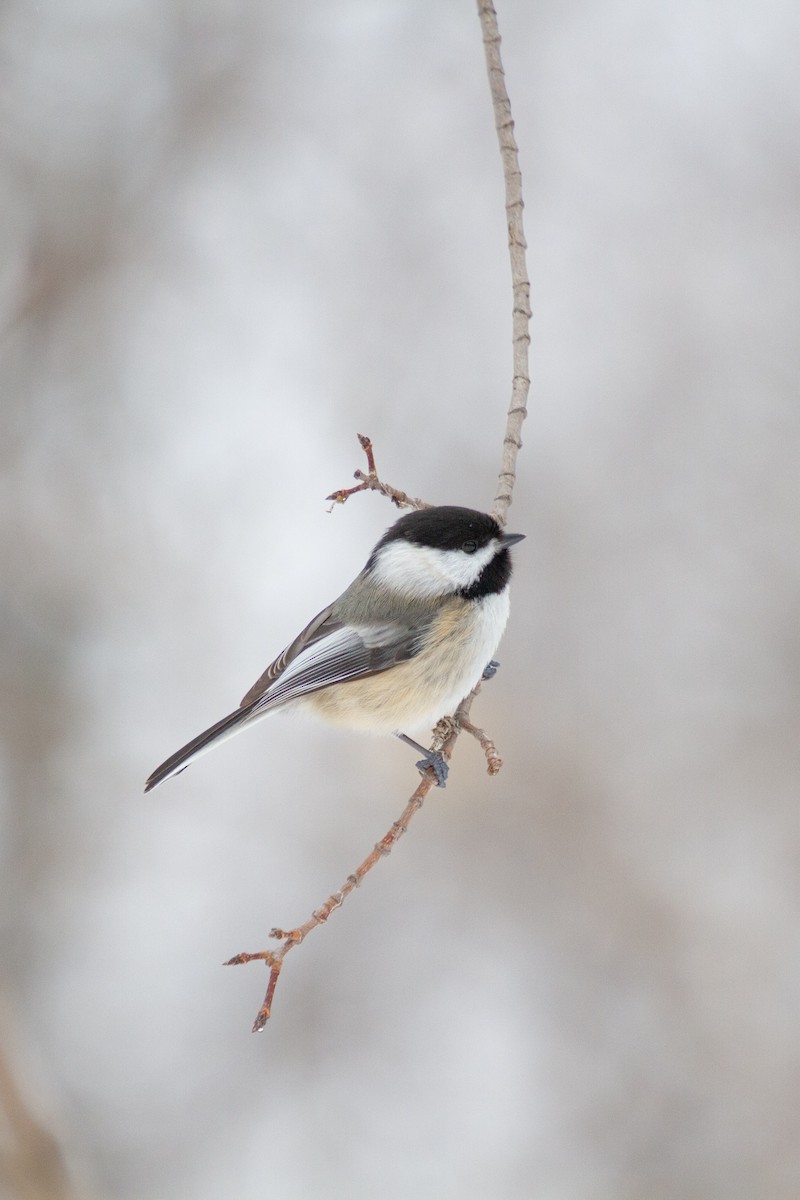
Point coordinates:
[(493, 760), (371, 483), (521, 288)]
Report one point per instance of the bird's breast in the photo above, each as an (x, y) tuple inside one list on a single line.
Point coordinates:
[(458, 644)]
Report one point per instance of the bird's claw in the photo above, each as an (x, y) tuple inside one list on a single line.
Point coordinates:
[(490, 670), (435, 760)]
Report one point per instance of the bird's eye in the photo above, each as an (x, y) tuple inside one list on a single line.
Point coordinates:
[(469, 547)]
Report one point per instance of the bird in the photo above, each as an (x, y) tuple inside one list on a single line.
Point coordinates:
[(410, 637)]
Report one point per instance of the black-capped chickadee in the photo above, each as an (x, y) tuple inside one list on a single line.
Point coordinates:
[(401, 647)]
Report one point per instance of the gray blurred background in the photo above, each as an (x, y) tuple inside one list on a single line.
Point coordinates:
[(233, 235)]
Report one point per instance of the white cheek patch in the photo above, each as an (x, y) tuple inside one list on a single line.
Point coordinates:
[(424, 571)]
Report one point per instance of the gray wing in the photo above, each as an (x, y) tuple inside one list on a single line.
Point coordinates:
[(322, 625), (329, 651)]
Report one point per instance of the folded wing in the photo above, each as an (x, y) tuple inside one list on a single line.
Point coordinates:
[(325, 652), (328, 652)]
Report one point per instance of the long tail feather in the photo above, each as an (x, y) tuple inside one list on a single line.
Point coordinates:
[(178, 761)]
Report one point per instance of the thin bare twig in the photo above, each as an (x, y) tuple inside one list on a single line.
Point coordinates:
[(521, 312), (371, 483), (448, 731), (493, 760)]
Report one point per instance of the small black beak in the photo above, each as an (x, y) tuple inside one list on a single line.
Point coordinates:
[(511, 539)]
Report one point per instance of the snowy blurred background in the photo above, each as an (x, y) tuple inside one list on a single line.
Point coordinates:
[(232, 236)]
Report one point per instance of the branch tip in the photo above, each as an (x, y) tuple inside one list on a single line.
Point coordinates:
[(369, 481)]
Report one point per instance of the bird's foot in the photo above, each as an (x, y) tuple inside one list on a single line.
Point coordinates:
[(430, 758), (435, 760)]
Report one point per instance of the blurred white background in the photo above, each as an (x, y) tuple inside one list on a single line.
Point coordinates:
[(234, 234)]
